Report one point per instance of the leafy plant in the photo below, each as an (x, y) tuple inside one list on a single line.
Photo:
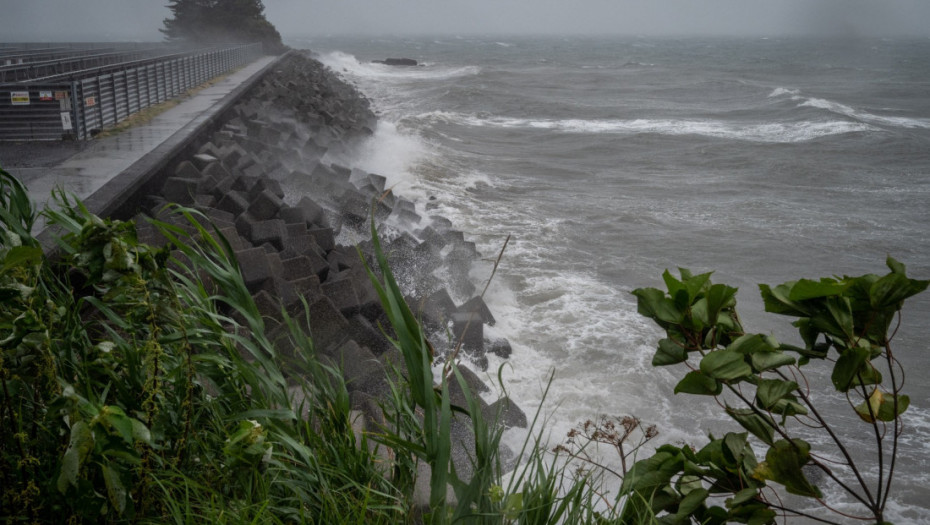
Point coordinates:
[(847, 321)]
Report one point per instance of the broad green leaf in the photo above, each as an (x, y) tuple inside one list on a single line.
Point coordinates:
[(894, 265), (871, 406), (783, 463), (891, 290), (760, 426), (140, 432), (697, 383), (736, 445), (689, 504), (887, 410), (763, 361), (868, 375), (741, 497), (724, 365), (669, 353), (70, 466), (653, 473), (687, 483), (652, 303), (882, 406), (672, 283), (788, 406), (842, 316), (114, 418), (850, 363), (115, 489), (769, 391), (513, 506), (752, 343), (777, 302), (806, 289), (22, 256), (80, 445), (720, 296)]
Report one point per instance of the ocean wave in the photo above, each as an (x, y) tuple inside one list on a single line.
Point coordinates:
[(780, 92), (849, 111), (344, 62), (777, 132)]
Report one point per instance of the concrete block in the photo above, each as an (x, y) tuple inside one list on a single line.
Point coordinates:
[(324, 238), (377, 181), (253, 263), (361, 330), (265, 204), (505, 412), (186, 170), (271, 231), (266, 183), (469, 329), (478, 306), (295, 230), (233, 202), (202, 160), (295, 268), (301, 245), (312, 212), (327, 325), (204, 201), (342, 293), (180, 190), (407, 217)]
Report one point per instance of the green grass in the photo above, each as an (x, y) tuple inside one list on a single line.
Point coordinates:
[(138, 385)]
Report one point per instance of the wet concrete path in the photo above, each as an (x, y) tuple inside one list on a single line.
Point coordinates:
[(83, 168)]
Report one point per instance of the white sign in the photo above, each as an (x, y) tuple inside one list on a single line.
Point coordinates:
[(66, 121), (19, 98)]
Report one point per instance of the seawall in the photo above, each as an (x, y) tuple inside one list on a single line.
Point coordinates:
[(257, 168)]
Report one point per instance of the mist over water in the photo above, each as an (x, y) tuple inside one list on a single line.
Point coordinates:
[(609, 160)]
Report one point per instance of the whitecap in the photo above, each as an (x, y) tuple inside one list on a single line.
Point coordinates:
[(776, 132), (350, 64)]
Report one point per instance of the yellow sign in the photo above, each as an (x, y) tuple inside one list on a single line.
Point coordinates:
[(19, 98)]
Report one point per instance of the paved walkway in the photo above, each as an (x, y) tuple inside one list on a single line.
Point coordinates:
[(83, 168)]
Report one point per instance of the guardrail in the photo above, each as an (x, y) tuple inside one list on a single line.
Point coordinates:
[(79, 108)]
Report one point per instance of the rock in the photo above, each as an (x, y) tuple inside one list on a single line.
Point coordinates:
[(396, 62), (477, 305), (468, 328), (501, 348), (506, 413)]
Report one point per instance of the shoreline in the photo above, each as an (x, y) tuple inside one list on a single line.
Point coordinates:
[(262, 180)]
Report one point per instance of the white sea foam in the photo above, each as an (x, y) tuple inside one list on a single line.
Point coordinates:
[(346, 63), (849, 111), (780, 92), (842, 109), (775, 132)]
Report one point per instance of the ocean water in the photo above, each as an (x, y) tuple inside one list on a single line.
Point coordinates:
[(610, 160)]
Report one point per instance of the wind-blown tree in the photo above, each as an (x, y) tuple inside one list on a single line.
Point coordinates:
[(210, 21)]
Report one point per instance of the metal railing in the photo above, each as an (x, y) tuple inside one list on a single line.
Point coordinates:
[(87, 101)]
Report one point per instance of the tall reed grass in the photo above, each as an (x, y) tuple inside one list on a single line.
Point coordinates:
[(138, 384)]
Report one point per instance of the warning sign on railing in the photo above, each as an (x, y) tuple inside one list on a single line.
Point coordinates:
[(90, 101), (45, 96), (66, 121), (19, 98)]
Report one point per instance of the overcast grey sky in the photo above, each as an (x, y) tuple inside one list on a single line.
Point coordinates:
[(140, 19)]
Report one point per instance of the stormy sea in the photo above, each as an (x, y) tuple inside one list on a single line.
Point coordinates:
[(609, 160)]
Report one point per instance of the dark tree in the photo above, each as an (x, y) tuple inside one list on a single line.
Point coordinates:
[(214, 21)]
